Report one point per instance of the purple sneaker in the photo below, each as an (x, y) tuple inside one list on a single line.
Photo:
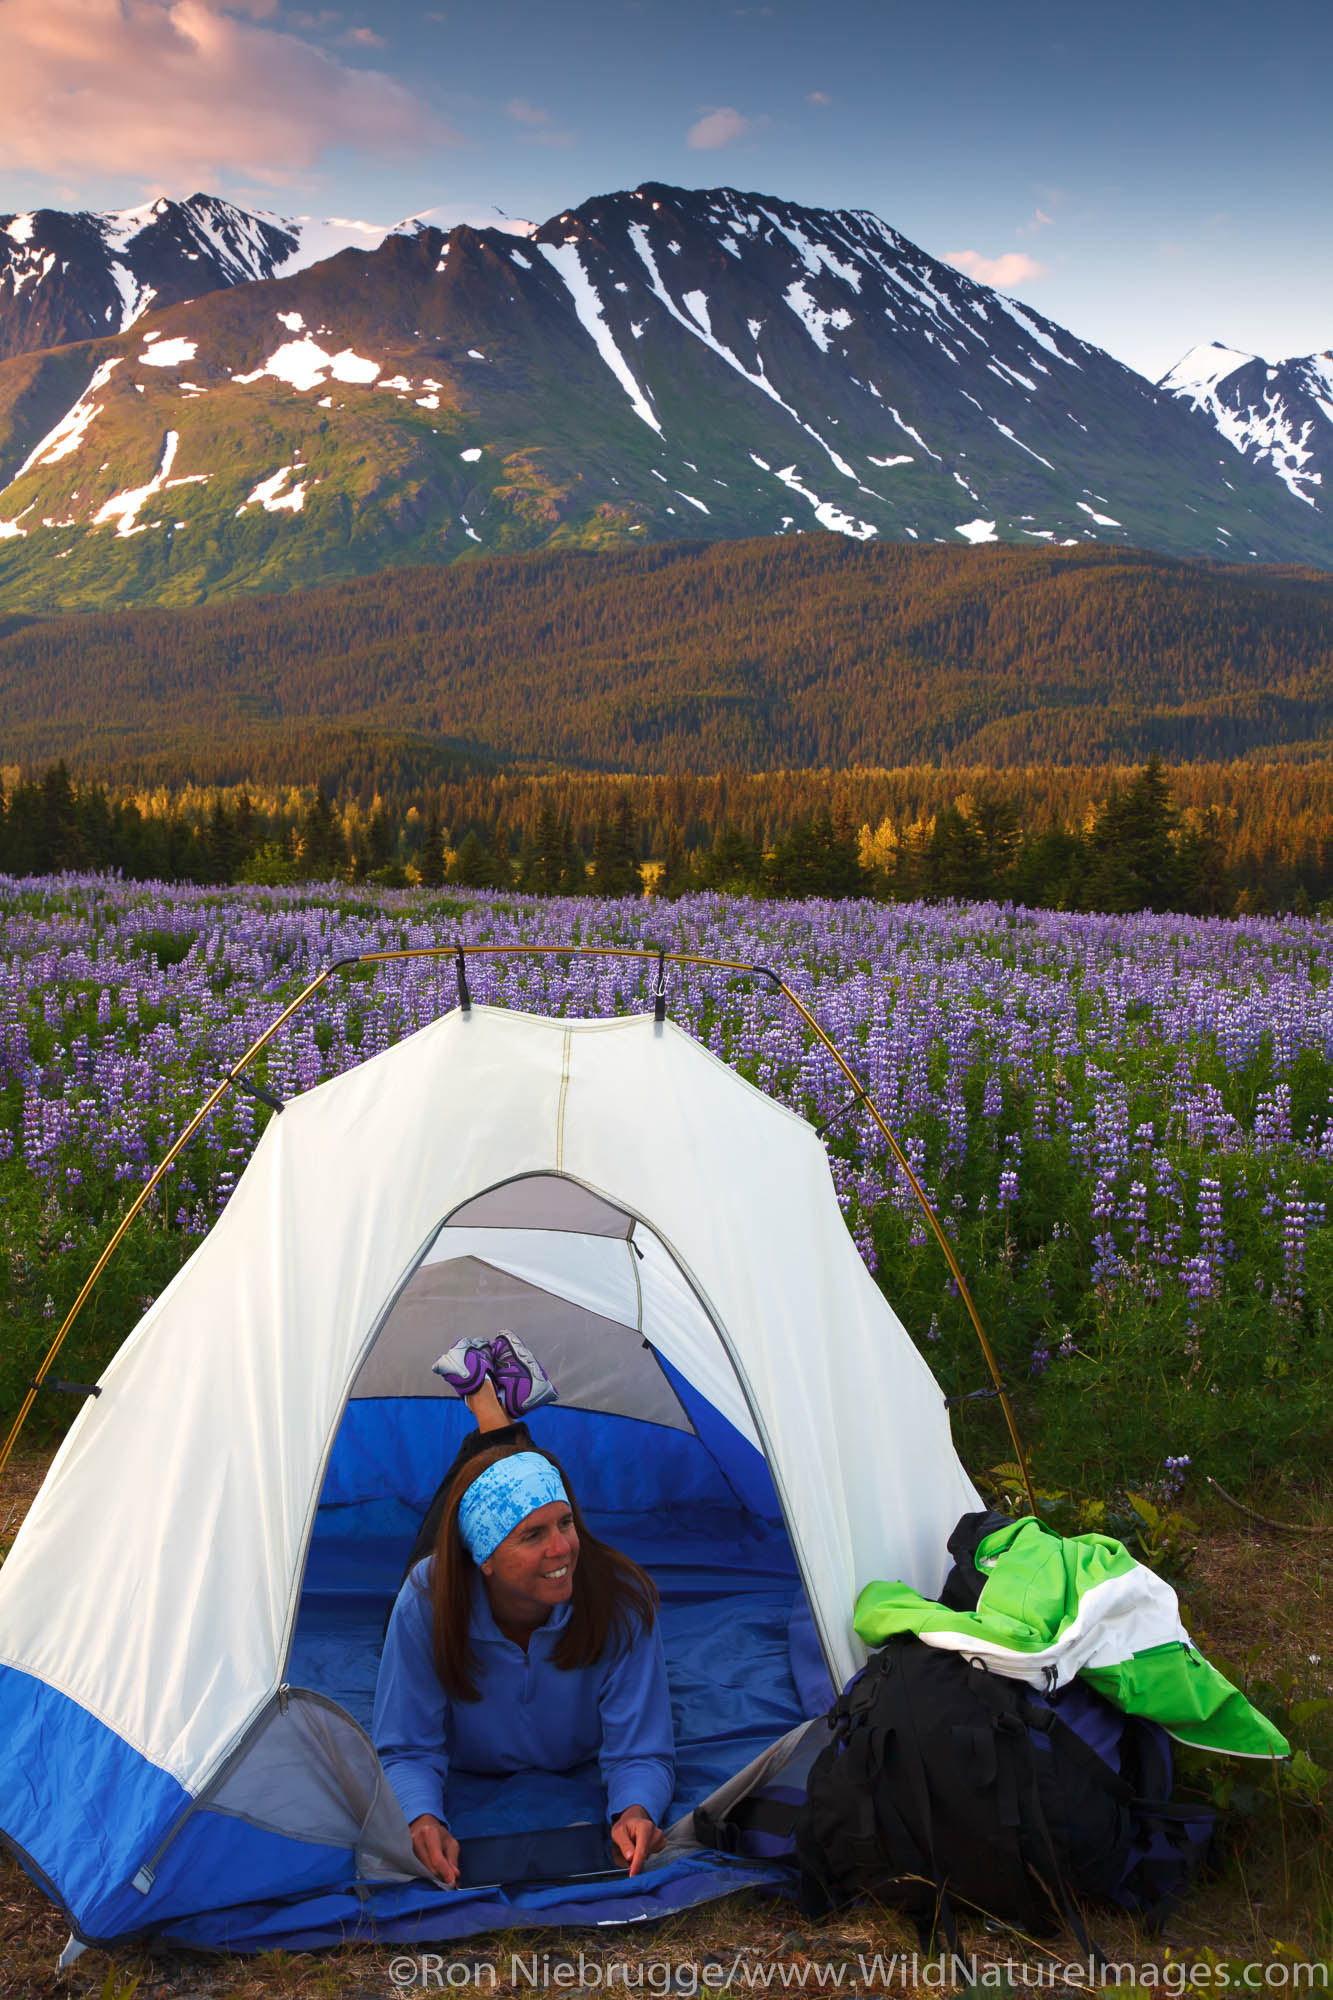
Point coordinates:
[(466, 1366), (521, 1383)]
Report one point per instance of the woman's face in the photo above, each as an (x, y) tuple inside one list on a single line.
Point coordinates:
[(532, 1570)]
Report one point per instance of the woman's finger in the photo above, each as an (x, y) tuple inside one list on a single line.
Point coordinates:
[(436, 1850), (641, 1835)]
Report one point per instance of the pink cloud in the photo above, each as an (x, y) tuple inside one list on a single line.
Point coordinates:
[(720, 128), (819, 97), (527, 114), (541, 130), (1015, 267), (184, 91), (363, 38)]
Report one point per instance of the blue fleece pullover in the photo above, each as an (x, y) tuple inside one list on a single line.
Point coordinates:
[(531, 1715)]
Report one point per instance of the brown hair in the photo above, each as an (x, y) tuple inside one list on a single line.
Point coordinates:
[(611, 1594)]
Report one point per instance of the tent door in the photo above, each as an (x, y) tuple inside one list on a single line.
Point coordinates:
[(306, 1768)]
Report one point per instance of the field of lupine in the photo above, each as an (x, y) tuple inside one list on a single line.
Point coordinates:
[(1125, 1122)]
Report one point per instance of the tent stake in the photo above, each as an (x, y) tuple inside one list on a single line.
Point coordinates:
[(663, 957)]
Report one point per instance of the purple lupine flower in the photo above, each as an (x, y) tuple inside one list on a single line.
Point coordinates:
[(1295, 1215)]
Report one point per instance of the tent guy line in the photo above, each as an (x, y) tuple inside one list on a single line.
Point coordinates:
[(459, 952)]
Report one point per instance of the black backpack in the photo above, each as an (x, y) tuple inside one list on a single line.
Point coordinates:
[(946, 1786)]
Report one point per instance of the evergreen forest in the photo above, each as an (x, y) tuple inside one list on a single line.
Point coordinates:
[(1210, 841), (1076, 728), (796, 653)]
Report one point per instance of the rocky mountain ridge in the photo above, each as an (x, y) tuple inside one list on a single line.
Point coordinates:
[(659, 363), (1276, 414)]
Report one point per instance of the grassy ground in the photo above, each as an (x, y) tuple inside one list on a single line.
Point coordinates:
[(1259, 1602)]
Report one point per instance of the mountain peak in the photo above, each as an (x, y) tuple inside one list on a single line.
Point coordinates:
[(658, 363), (1275, 414), (1204, 367)]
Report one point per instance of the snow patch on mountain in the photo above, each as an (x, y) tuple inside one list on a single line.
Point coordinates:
[(914, 435), (1037, 333), (67, 435), (815, 255), (124, 507), (317, 239), (1005, 430), (977, 531), (826, 513), (814, 318), (169, 353), (306, 365), (269, 495), (565, 261)]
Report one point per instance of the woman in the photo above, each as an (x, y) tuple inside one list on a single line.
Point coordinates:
[(523, 1643)]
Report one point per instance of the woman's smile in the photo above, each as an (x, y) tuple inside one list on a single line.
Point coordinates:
[(532, 1570)]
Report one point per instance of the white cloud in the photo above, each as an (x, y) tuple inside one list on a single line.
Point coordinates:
[(819, 97), (1014, 267), (720, 128), (184, 91)]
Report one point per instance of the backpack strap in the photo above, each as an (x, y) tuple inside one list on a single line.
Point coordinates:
[(722, 1831), (1180, 1826), (1048, 1722), (910, 1742)]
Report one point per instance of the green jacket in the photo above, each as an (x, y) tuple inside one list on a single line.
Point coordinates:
[(1054, 1606)]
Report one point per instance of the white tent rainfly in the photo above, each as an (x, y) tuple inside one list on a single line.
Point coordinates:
[(190, 1617)]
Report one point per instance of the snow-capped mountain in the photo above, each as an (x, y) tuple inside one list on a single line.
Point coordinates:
[(1276, 414), (72, 277), (659, 363)]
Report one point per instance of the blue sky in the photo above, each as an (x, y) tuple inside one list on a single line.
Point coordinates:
[(1152, 176)]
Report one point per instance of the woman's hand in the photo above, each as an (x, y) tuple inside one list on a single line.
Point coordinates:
[(436, 1849), (635, 1837)]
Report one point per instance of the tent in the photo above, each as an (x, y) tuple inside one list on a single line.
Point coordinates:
[(191, 1613)]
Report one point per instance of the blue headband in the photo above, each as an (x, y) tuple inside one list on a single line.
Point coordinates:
[(505, 1494)]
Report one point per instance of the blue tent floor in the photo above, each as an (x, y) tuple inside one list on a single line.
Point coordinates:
[(743, 1667)]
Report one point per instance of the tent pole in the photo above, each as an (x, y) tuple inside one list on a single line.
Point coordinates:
[(163, 1167), (929, 1212), (555, 950)]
